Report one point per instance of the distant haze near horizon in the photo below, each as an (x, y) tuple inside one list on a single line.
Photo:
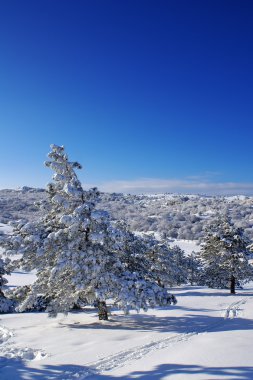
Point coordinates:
[(159, 186), (150, 96), (152, 186)]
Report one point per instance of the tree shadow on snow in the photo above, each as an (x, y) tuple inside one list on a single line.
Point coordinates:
[(186, 324), (14, 369), (185, 370), (199, 291), (224, 293)]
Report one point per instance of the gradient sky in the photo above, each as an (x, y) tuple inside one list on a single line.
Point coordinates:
[(147, 95)]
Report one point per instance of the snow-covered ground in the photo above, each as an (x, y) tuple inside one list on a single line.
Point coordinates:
[(5, 228), (207, 335), (188, 246)]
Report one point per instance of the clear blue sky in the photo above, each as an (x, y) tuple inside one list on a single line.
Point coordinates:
[(142, 93)]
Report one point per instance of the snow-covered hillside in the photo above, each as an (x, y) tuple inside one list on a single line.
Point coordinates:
[(20, 204), (176, 216)]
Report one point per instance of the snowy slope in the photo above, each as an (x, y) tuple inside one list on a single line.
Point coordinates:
[(208, 335)]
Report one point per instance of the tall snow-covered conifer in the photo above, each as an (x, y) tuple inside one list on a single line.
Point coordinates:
[(78, 253), (225, 255)]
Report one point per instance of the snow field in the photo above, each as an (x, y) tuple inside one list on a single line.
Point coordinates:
[(208, 335), (8, 350)]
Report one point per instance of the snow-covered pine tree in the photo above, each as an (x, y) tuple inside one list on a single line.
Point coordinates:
[(180, 263), (157, 260), (224, 254), (6, 305), (77, 251), (146, 256), (163, 262), (194, 269), (167, 265)]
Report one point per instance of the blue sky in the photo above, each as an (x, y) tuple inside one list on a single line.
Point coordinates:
[(146, 95)]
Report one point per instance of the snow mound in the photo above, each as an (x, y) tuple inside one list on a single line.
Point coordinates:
[(5, 334), (8, 350), (26, 353)]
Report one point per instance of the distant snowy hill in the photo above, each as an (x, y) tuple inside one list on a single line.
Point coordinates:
[(176, 216), (20, 204)]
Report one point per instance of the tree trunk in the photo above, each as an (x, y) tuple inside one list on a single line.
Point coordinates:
[(232, 285), (102, 311), (159, 282), (191, 276)]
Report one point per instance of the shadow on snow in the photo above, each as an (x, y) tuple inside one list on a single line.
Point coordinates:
[(189, 323), (15, 369)]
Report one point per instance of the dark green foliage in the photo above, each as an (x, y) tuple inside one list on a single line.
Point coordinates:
[(225, 255)]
